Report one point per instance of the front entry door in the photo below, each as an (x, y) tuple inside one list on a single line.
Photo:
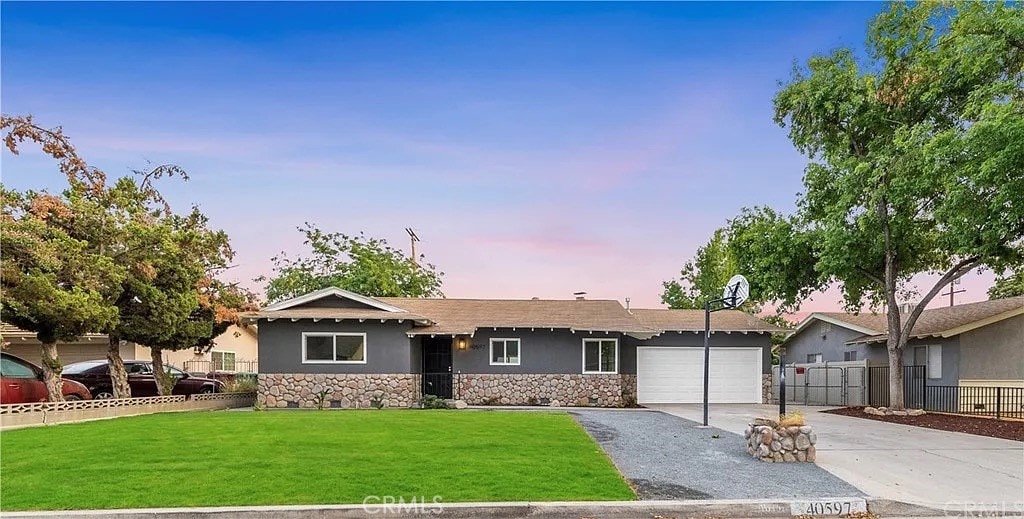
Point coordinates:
[(437, 366)]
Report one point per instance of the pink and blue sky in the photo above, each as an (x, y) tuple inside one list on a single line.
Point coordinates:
[(537, 149)]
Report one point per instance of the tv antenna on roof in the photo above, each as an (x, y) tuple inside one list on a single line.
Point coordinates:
[(412, 243)]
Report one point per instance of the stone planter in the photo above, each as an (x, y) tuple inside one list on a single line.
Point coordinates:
[(770, 442)]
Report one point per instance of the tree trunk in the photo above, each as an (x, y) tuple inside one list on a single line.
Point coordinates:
[(118, 375), (164, 381), (896, 397), (51, 372)]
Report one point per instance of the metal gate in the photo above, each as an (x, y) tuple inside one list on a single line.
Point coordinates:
[(823, 385), (914, 386)]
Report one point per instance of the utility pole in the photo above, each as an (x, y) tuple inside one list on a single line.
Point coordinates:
[(953, 291), (412, 243)]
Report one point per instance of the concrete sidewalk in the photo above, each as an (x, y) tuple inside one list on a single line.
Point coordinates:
[(899, 462)]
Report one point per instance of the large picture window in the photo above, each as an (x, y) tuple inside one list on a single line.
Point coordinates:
[(333, 348), (505, 352), (600, 355)]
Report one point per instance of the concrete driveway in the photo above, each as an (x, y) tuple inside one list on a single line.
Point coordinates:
[(900, 462)]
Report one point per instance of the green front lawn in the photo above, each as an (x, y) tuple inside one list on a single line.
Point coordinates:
[(276, 458)]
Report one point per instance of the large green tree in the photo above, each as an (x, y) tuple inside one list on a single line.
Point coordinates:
[(916, 165), (157, 286), (130, 227), (1008, 285), (54, 283), (176, 306), (358, 263), (703, 277), (54, 280)]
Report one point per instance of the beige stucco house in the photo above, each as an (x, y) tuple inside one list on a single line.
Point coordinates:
[(234, 351)]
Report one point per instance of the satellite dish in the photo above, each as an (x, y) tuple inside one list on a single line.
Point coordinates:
[(736, 291)]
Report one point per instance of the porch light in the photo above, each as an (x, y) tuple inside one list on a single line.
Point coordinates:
[(462, 343)]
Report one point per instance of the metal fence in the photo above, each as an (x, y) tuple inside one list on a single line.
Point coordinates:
[(205, 366), (823, 384), (998, 402), (915, 384), (857, 385)]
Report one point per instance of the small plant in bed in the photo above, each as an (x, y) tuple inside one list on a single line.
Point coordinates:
[(792, 419), (433, 402)]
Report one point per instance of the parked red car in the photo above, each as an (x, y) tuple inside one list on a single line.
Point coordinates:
[(95, 374), (21, 382)]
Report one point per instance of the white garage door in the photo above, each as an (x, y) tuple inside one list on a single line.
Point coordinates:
[(667, 375)]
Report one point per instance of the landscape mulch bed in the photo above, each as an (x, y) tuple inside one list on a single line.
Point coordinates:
[(1008, 429)]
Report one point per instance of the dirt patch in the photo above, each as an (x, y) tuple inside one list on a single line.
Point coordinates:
[(1007, 429), (600, 432), (655, 490)]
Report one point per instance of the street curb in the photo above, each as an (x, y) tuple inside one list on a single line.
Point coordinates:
[(716, 508), (893, 508)]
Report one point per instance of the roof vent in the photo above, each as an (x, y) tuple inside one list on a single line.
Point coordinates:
[(580, 296)]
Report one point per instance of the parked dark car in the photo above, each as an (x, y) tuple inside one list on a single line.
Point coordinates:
[(22, 382), (95, 374)]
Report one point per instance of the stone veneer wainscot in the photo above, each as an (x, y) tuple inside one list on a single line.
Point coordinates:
[(348, 391), (345, 391), (578, 390)]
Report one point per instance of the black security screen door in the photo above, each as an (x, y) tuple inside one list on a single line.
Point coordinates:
[(437, 366)]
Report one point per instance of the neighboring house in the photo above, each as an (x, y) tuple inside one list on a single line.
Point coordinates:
[(234, 350), (91, 346), (975, 344), (340, 349)]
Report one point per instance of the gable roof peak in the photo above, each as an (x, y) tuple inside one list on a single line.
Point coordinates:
[(335, 292)]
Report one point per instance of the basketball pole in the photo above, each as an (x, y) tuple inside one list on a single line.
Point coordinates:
[(732, 297), (729, 302)]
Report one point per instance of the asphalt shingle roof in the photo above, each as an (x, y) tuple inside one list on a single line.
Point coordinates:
[(693, 321)]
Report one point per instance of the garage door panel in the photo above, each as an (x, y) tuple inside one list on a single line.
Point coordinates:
[(676, 375)]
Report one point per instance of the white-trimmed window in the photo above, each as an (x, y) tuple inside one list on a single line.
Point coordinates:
[(333, 348), (505, 352), (600, 356), (222, 360), (814, 358)]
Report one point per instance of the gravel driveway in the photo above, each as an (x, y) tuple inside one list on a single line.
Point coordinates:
[(667, 457)]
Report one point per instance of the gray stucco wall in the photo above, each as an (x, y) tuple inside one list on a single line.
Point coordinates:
[(717, 340), (542, 351), (831, 345), (388, 349), (994, 352), (950, 359)]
